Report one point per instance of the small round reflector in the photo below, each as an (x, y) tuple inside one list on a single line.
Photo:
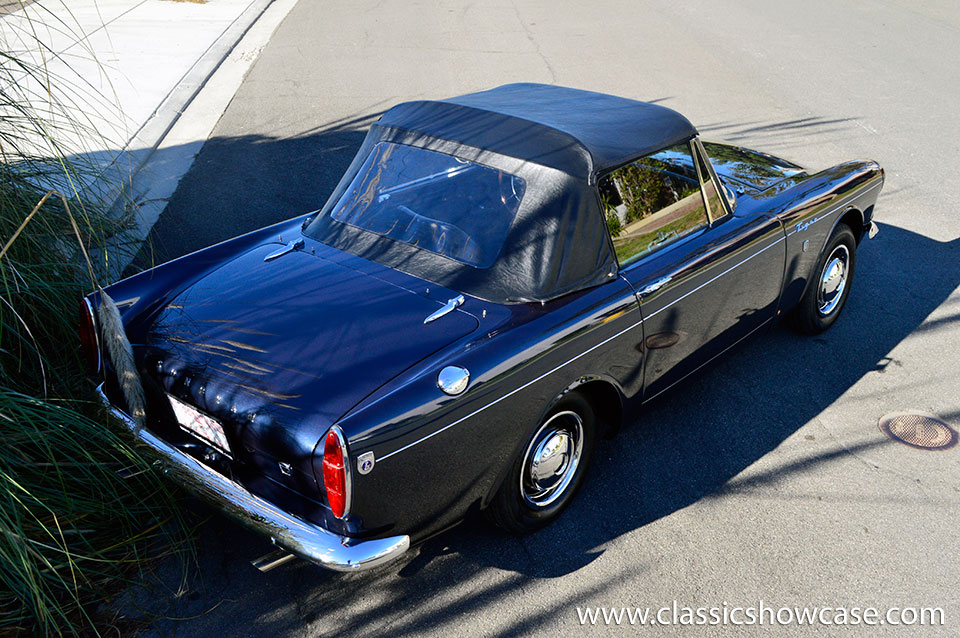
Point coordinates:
[(336, 478)]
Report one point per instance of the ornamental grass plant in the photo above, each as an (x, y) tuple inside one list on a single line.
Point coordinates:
[(73, 533)]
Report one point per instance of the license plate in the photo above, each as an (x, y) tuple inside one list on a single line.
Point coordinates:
[(200, 425)]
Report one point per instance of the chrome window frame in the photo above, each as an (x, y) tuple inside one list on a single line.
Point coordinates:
[(727, 205)]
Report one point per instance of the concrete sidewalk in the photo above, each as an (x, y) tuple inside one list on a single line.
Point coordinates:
[(123, 61), (126, 73)]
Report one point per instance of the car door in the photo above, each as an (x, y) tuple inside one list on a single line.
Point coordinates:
[(705, 278)]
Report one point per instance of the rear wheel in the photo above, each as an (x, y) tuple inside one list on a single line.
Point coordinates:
[(829, 285), (549, 470)]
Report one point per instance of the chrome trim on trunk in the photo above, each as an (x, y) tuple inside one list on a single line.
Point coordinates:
[(307, 540)]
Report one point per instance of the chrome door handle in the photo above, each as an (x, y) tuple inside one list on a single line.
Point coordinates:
[(655, 286)]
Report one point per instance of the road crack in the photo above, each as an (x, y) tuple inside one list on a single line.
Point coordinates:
[(536, 45)]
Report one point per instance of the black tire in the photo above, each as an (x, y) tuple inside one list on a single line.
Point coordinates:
[(516, 507), (817, 311)]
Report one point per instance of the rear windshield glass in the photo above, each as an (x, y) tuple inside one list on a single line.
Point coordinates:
[(433, 201)]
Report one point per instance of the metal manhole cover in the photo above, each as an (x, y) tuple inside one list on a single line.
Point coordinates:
[(918, 430)]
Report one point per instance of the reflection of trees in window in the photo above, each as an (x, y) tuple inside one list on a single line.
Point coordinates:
[(644, 188), (613, 222), (750, 167), (652, 202), (634, 245)]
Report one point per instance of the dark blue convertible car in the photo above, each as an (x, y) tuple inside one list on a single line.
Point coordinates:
[(498, 280)]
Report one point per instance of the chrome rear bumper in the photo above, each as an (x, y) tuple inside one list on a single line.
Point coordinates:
[(307, 540)]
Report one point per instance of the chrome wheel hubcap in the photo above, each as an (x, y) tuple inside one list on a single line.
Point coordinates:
[(551, 459), (833, 280)]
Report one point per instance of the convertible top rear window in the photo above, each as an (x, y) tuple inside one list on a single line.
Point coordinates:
[(436, 202)]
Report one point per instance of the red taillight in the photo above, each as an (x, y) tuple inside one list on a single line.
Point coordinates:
[(336, 479), (89, 339)]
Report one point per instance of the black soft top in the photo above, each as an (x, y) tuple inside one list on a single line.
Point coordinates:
[(558, 140), (578, 132)]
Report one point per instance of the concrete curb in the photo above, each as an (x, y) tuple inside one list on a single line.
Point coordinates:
[(159, 124)]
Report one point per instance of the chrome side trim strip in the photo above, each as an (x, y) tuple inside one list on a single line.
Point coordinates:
[(545, 374), (834, 209), (836, 222), (711, 280), (509, 394), (307, 540)]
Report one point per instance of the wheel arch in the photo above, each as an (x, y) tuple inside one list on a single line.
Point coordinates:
[(606, 399), (604, 396), (853, 218)]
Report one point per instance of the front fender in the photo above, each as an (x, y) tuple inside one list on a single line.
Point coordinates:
[(811, 210)]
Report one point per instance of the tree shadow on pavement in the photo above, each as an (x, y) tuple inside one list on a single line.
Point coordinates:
[(239, 184), (688, 445)]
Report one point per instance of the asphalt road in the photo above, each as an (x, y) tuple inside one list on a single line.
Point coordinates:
[(766, 476)]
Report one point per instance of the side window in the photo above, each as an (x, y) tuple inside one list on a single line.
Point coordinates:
[(653, 202)]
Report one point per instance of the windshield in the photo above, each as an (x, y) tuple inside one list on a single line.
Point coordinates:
[(436, 202)]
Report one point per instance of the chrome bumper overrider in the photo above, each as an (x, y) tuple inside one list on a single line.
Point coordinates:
[(306, 540)]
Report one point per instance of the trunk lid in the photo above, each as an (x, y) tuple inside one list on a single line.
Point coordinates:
[(277, 351)]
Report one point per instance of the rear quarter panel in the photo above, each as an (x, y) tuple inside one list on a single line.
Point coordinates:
[(439, 456)]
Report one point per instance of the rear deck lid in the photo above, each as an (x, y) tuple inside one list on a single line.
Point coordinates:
[(279, 350)]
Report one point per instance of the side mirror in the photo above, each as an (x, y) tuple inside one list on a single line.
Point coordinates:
[(731, 197)]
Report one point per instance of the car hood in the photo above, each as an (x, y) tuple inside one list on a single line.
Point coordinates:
[(279, 350), (747, 170)]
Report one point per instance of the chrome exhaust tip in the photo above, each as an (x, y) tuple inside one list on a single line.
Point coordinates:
[(272, 560)]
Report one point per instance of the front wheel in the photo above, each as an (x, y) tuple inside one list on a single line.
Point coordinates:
[(829, 287), (549, 470)]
